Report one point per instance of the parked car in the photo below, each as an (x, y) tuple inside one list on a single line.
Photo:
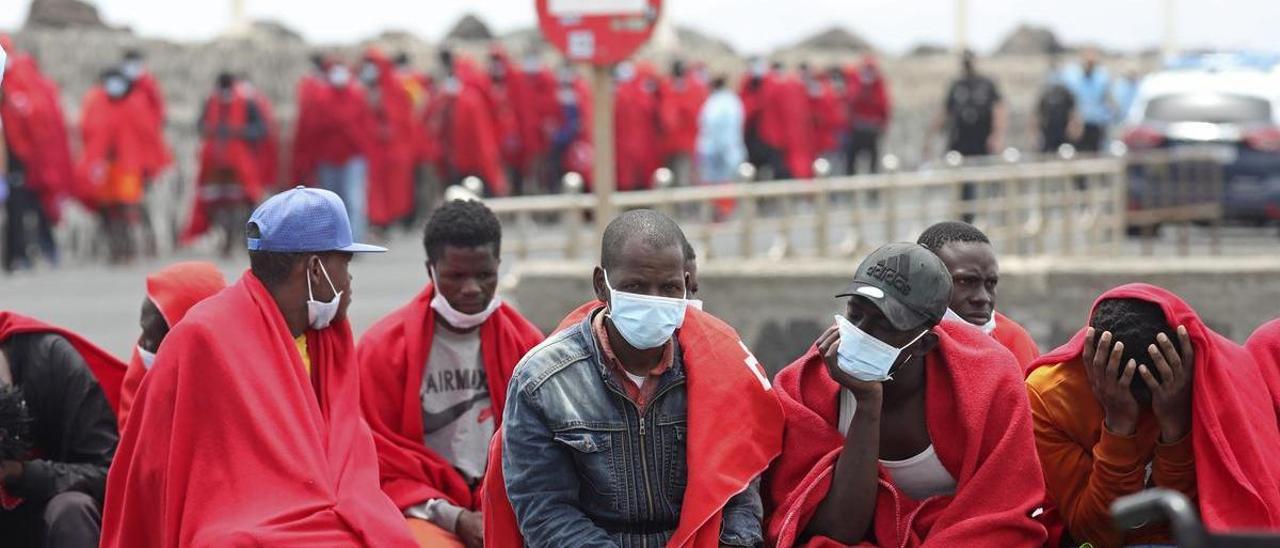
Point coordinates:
[(1230, 110)]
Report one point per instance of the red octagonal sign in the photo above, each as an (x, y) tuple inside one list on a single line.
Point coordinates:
[(600, 32)]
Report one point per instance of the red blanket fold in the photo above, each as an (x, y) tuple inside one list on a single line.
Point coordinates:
[(1012, 336), (108, 369), (174, 290), (724, 380), (393, 358), (239, 448), (1235, 439), (1264, 345), (980, 423)]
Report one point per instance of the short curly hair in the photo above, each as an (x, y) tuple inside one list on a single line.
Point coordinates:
[(1136, 323), (461, 223), (939, 235)]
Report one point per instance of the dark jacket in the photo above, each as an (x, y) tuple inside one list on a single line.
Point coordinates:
[(73, 428), (585, 467)]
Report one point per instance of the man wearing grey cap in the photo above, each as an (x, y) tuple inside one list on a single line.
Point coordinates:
[(902, 429), (247, 430)]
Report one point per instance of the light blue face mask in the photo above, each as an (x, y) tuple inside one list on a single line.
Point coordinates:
[(645, 321), (865, 357)]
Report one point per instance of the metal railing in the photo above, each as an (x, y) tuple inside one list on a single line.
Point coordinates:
[(1027, 206)]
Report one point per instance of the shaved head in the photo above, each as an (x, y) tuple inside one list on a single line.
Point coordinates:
[(655, 230)]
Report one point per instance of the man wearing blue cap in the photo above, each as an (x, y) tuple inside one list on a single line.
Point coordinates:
[(247, 430)]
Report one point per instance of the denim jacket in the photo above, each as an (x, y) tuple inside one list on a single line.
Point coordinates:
[(584, 467)]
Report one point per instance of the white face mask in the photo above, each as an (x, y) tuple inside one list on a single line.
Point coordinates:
[(131, 69), (696, 303), (865, 357), (116, 87), (148, 358), (645, 321), (321, 314), (339, 75), (460, 320), (986, 327), (369, 73)]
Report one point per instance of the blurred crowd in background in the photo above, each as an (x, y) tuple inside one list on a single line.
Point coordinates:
[(389, 137)]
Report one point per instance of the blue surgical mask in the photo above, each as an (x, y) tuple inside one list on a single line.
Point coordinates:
[(865, 357), (645, 321)]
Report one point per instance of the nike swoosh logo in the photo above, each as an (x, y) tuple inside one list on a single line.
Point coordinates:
[(435, 421)]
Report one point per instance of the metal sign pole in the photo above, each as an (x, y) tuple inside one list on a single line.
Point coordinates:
[(602, 172)]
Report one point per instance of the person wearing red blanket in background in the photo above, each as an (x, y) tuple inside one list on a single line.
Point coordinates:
[(903, 430), (39, 171), (133, 67), (266, 150), (390, 113), (1147, 396), (434, 378), (975, 273), (247, 431), (614, 429), (52, 480), (229, 181), (142, 82), (869, 109), (302, 156), (635, 118), (171, 292), (121, 149), (679, 101), (828, 111), (343, 137), (787, 125)]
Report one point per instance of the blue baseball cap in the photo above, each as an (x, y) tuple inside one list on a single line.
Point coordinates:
[(304, 220)]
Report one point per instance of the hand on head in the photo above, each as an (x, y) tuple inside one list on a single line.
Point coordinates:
[(1171, 393), (1101, 359)]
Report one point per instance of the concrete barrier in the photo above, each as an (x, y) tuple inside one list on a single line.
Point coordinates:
[(780, 308)]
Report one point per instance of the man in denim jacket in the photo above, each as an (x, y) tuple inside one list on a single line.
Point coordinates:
[(599, 449)]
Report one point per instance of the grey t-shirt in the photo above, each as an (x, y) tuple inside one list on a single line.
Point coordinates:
[(457, 415)]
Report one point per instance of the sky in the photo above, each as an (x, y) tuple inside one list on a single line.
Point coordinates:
[(751, 26)]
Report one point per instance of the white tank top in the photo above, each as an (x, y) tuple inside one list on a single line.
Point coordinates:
[(919, 477)]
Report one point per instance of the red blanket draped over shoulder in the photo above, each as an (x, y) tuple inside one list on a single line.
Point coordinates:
[(1233, 435), (106, 368), (174, 290), (393, 358), (1264, 344), (1013, 336), (980, 424), (724, 380), (239, 448)]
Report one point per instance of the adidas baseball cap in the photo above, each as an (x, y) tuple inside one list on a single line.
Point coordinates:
[(907, 282), (303, 220)]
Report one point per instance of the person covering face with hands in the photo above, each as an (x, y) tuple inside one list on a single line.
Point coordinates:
[(1144, 396), (903, 429)]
